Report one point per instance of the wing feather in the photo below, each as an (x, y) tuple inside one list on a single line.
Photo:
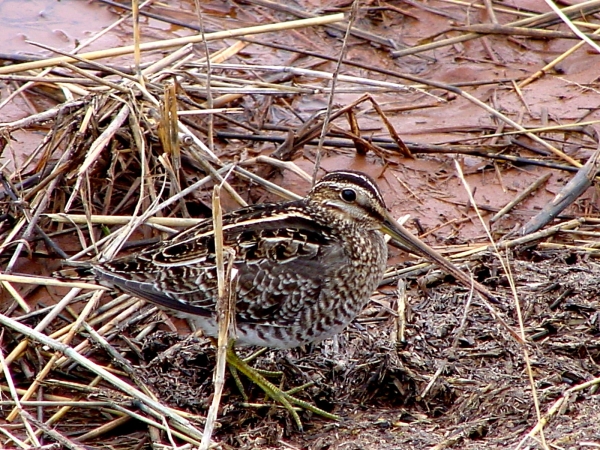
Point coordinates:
[(282, 261)]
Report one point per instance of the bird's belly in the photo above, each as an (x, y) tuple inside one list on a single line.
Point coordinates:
[(287, 318), (346, 287), (272, 336)]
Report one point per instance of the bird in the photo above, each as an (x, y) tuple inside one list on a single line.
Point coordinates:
[(305, 268)]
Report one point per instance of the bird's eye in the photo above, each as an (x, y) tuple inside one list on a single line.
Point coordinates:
[(348, 195)]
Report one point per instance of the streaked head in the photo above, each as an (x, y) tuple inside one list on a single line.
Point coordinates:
[(353, 196)]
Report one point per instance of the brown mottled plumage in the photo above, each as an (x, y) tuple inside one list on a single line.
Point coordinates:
[(306, 268)]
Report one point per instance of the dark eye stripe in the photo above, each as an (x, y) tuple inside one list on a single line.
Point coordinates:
[(344, 177)]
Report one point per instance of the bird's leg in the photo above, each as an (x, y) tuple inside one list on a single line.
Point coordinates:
[(285, 398), (300, 388), (264, 373), (238, 382), (269, 388), (256, 354)]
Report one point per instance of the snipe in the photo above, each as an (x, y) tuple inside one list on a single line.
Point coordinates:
[(306, 268)]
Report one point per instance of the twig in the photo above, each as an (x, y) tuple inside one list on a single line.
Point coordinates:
[(485, 28), (42, 116), (573, 189), (282, 6), (106, 375), (513, 288), (121, 220), (400, 319), (96, 148), (159, 45), (334, 79), (224, 316), (18, 408), (318, 74), (522, 196), (50, 364), (556, 408), (560, 13), (581, 8)]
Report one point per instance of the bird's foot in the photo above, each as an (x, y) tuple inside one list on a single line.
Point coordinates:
[(285, 398)]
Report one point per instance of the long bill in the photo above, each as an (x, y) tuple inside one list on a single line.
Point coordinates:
[(402, 235)]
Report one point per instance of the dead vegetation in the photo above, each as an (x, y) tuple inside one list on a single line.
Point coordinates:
[(502, 106)]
